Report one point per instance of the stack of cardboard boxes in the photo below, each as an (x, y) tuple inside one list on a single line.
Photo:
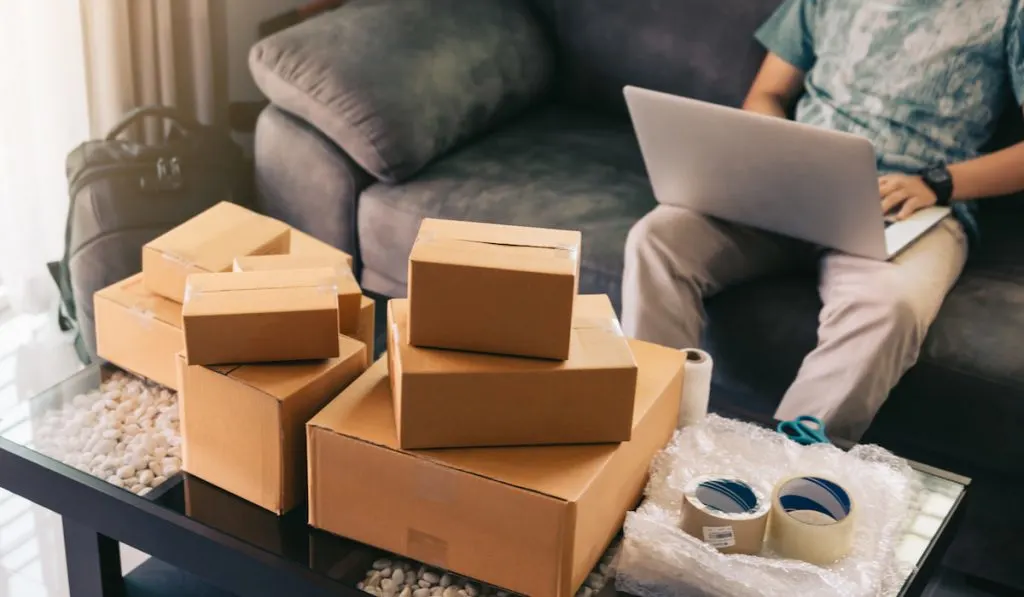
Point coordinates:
[(444, 451), (254, 353)]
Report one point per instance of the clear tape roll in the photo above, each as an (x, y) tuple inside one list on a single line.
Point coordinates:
[(727, 513), (693, 402), (812, 519)]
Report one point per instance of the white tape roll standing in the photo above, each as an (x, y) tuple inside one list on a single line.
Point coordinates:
[(812, 520), (726, 513), (693, 402)]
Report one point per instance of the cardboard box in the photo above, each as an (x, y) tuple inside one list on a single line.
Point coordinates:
[(138, 331), (495, 289), (253, 317), (448, 399), (365, 332), (209, 242), (349, 294), (304, 244), (242, 425), (534, 520)]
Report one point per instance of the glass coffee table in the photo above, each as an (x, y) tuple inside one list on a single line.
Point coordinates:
[(246, 551)]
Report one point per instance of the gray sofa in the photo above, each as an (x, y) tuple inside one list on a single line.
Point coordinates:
[(388, 111)]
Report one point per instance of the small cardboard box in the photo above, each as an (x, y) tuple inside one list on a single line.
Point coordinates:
[(491, 288), (534, 520), (449, 399), (209, 242), (242, 425), (251, 317), (304, 244), (349, 294), (365, 332), (138, 331)]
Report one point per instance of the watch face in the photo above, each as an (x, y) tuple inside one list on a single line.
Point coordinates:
[(938, 175)]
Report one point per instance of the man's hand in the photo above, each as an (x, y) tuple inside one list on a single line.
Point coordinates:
[(908, 193)]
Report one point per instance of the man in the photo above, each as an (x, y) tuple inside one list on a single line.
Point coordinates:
[(925, 81)]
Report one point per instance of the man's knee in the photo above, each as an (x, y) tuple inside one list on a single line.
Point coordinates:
[(658, 230)]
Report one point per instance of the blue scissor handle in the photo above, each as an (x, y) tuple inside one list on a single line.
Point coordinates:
[(804, 429)]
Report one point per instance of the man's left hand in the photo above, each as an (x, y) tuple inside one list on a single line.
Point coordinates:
[(908, 193)]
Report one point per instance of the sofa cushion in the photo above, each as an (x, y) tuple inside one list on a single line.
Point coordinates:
[(970, 375), (395, 83), (698, 48), (552, 168)]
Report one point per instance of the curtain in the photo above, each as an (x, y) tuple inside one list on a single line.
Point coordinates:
[(70, 70), (43, 114), (170, 52)]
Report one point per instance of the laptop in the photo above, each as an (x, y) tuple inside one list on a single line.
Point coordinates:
[(790, 178)]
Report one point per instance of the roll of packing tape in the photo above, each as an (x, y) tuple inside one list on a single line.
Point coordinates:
[(812, 520), (726, 513), (693, 402)]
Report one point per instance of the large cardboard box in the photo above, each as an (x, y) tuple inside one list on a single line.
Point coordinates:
[(534, 520), (209, 242), (242, 426), (448, 399), (138, 331), (492, 288), (250, 317), (349, 294), (304, 244)]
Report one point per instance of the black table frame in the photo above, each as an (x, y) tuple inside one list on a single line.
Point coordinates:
[(98, 515)]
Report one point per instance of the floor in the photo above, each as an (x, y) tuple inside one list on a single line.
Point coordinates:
[(31, 540)]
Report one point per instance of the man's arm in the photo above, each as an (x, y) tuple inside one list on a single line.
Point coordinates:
[(992, 175), (777, 86)]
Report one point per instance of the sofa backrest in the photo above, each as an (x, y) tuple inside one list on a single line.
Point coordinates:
[(698, 48)]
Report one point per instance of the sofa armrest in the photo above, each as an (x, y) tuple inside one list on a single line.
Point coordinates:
[(396, 83)]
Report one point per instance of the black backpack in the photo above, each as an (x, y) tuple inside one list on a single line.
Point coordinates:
[(124, 194)]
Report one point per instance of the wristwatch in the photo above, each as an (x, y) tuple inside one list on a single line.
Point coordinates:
[(940, 182)]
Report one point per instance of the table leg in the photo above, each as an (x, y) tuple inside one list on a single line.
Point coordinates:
[(93, 561)]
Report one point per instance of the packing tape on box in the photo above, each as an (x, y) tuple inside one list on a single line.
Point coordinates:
[(812, 520), (191, 292), (607, 324), (693, 400), (429, 237), (725, 512)]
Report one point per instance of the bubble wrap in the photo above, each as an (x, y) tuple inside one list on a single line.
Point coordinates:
[(659, 560)]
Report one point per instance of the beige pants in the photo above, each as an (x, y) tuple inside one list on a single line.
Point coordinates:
[(871, 327)]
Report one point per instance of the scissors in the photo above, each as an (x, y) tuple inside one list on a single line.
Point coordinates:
[(804, 430)]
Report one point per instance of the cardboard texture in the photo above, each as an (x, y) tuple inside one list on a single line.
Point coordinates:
[(493, 288), (447, 399), (242, 426), (209, 242), (304, 244), (534, 520), (138, 331), (349, 294), (367, 319), (249, 317)]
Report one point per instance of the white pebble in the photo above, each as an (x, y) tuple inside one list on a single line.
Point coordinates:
[(387, 583), (450, 592), (114, 479), (446, 580), (146, 477), (431, 578), (137, 488), (158, 480), (125, 471), (421, 592), (398, 576)]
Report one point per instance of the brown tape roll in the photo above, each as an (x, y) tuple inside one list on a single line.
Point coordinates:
[(726, 513)]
